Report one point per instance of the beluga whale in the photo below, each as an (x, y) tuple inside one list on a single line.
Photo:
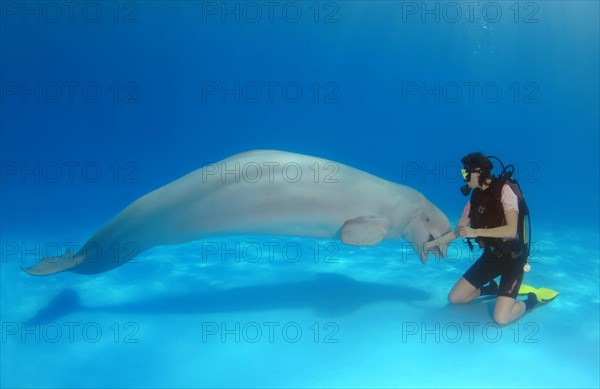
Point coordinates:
[(262, 192)]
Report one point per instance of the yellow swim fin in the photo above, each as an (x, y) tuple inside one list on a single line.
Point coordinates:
[(545, 295), (526, 289)]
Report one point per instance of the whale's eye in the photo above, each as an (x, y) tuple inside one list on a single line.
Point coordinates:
[(427, 220)]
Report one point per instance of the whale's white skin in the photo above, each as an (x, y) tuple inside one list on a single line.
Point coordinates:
[(261, 192)]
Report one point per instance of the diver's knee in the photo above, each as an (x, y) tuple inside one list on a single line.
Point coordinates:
[(501, 318), (454, 298)]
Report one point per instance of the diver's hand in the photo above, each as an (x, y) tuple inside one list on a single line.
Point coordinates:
[(467, 232), (438, 246)]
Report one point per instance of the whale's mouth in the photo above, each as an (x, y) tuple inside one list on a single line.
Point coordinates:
[(435, 249), (424, 241), (439, 246)]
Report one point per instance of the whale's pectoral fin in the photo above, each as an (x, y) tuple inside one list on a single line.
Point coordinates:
[(53, 265), (365, 230)]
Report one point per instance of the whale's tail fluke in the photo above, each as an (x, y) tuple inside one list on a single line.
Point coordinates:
[(52, 265)]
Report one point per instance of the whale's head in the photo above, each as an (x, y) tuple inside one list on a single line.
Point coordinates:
[(426, 224)]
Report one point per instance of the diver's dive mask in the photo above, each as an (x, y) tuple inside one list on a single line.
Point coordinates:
[(466, 174)]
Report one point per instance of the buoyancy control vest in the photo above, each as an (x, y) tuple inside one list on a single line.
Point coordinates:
[(487, 212)]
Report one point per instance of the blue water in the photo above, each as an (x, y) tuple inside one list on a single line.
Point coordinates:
[(103, 102)]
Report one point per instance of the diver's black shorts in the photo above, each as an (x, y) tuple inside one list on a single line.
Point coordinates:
[(492, 264)]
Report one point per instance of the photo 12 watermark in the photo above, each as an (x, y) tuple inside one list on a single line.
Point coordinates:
[(453, 92), (68, 172), (270, 332), (271, 12), (423, 172), (459, 251), (271, 172), (269, 251), (70, 12), (270, 92), (468, 332), (69, 332), (30, 253), (69, 92), (489, 12)]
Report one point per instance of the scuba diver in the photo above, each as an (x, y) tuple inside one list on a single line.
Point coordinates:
[(495, 218)]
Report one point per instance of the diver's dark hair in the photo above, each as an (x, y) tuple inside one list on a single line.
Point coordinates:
[(478, 161)]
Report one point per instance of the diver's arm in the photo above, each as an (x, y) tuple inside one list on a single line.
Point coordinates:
[(464, 221), (509, 230)]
